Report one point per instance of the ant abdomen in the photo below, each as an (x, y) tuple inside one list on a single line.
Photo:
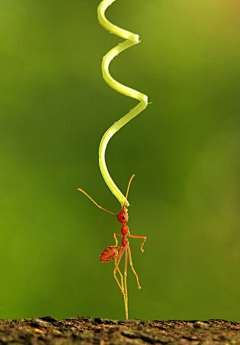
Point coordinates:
[(109, 254)]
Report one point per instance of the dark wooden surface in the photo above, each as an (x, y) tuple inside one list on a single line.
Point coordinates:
[(85, 330)]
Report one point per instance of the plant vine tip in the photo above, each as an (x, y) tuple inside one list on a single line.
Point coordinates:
[(131, 39)]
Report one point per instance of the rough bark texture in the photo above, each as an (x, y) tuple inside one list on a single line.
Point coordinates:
[(84, 330)]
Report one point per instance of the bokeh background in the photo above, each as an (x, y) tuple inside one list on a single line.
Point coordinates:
[(184, 150)]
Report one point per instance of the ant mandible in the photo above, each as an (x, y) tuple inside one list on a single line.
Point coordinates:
[(116, 252)]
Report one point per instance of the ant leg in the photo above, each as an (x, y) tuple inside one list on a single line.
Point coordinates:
[(116, 268), (125, 284), (115, 238), (131, 265), (143, 242), (121, 277)]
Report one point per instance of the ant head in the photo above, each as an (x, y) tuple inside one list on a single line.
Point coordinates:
[(122, 216)]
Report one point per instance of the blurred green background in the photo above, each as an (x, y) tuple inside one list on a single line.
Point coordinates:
[(184, 150)]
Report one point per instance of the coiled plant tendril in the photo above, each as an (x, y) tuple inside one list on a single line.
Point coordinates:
[(131, 40)]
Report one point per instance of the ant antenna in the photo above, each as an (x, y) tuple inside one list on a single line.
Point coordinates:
[(88, 196), (129, 184)]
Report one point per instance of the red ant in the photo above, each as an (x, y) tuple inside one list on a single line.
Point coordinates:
[(116, 252)]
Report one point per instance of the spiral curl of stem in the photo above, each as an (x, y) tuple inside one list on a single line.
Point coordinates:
[(131, 40)]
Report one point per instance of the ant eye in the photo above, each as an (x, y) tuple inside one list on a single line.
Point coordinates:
[(123, 218)]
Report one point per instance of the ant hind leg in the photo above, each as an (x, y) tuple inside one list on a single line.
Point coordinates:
[(117, 269), (125, 283), (131, 265)]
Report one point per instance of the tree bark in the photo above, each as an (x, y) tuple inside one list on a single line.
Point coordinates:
[(85, 331)]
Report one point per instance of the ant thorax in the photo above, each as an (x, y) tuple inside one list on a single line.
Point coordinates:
[(125, 230)]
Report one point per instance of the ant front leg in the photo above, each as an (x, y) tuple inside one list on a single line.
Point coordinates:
[(115, 238), (143, 242)]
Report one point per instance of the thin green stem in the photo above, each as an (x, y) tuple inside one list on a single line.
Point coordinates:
[(131, 40)]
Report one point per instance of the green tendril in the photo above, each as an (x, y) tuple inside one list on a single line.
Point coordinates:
[(131, 40)]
